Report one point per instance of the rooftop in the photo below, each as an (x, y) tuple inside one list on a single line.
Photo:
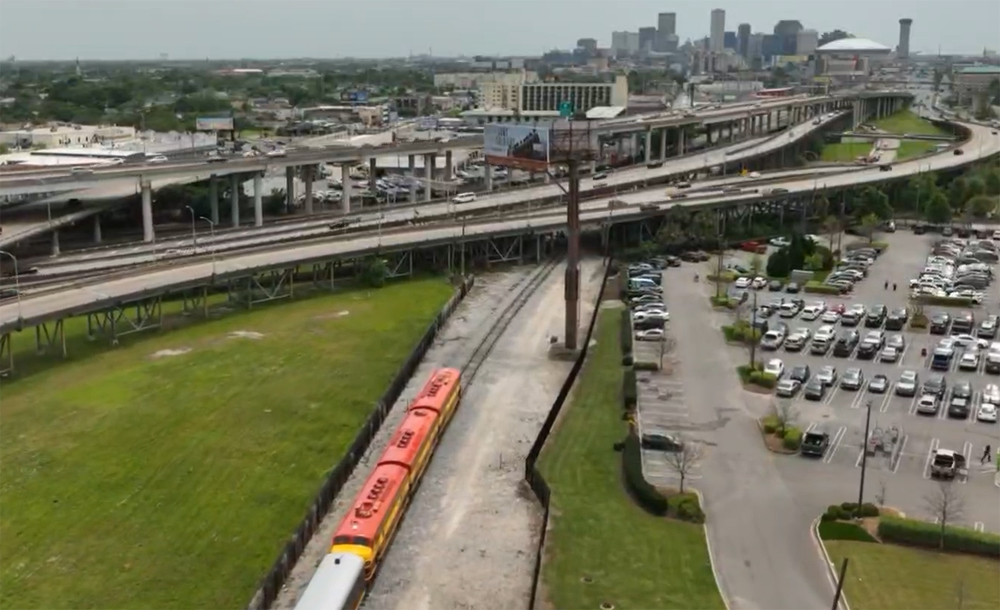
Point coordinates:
[(980, 70), (857, 45)]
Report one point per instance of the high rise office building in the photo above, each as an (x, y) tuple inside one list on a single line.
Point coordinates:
[(647, 39), (717, 31), (666, 26), (903, 50), (743, 39)]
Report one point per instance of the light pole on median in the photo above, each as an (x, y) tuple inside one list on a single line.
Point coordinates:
[(17, 283), (864, 456), (211, 228), (194, 234)]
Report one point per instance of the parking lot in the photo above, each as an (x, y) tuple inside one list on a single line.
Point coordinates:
[(909, 438)]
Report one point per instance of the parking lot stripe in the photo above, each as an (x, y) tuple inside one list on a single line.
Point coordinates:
[(886, 399), (967, 452), (839, 436), (942, 411), (902, 356), (858, 396), (913, 405), (833, 392), (930, 456), (899, 454)]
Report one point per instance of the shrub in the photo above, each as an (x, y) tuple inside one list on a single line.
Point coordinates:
[(944, 301), (627, 359), (647, 366), (741, 332), (630, 391), (838, 530), (919, 320), (779, 264), (645, 494), (725, 277), (625, 332), (867, 509), (723, 301), (771, 423), (792, 438), (686, 507), (928, 535), (815, 287), (764, 380), (834, 512)]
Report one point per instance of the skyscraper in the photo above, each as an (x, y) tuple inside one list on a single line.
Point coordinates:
[(717, 31), (903, 50), (742, 39), (647, 39), (666, 23)]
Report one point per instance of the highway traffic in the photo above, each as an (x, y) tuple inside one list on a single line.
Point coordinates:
[(981, 144)]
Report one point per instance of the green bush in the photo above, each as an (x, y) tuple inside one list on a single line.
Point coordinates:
[(944, 301), (771, 423), (928, 535), (725, 277), (779, 264), (838, 530), (792, 438), (919, 320), (764, 380), (815, 287), (834, 512), (867, 509), (647, 366), (645, 494), (723, 301), (741, 332), (685, 507), (625, 332), (630, 391), (627, 359)]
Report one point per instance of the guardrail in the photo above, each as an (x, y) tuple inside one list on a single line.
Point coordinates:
[(275, 578), (532, 475)]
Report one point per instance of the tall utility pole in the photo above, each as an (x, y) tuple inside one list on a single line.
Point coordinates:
[(573, 255)]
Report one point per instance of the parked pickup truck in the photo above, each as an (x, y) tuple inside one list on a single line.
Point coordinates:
[(815, 442), (947, 463)]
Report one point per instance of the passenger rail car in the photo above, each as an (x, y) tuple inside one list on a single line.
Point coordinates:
[(364, 535)]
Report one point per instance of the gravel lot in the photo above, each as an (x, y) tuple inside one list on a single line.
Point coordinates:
[(469, 536), (470, 322)]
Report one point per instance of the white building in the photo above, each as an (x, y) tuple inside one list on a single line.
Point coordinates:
[(717, 38), (473, 80), (65, 135), (806, 42), (625, 43), (546, 97)]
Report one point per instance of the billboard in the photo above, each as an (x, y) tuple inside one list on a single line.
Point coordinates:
[(357, 97), (573, 140), (224, 123), (518, 146)]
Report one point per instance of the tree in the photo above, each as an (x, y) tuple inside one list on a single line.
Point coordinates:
[(828, 37), (945, 505), (991, 180), (756, 264), (868, 226), (778, 264), (872, 201), (980, 206), (684, 460), (786, 414), (938, 209), (957, 193), (831, 228)]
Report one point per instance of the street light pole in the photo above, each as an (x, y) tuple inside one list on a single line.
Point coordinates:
[(17, 283), (864, 455), (194, 235)]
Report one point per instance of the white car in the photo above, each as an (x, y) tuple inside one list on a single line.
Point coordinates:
[(830, 317), (775, 367), (968, 340), (758, 283), (157, 159), (464, 198), (987, 413), (976, 297), (753, 175), (826, 333), (743, 282), (969, 361), (810, 313), (651, 315), (652, 334), (277, 152), (991, 394), (780, 242)]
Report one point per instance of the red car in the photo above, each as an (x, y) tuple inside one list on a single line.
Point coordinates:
[(839, 308), (749, 246)]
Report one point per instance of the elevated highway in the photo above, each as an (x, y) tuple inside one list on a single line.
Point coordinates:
[(111, 293)]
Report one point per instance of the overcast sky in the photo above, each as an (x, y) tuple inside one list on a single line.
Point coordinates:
[(221, 29)]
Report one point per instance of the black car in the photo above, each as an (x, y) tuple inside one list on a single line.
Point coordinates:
[(792, 288), (654, 165), (896, 320), (775, 286), (845, 345), (962, 389), (963, 323), (801, 373), (875, 316), (936, 385), (867, 349), (672, 261), (814, 390), (958, 408), (940, 323)]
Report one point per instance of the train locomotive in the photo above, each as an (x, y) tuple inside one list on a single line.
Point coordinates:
[(365, 533)]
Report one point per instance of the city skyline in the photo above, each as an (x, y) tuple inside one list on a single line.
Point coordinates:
[(226, 29)]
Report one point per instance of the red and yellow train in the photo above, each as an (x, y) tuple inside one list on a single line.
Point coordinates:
[(364, 535)]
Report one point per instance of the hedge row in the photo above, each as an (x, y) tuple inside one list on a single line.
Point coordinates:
[(741, 332), (839, 530), (879, 246), (815, 287), (625, 332), (792, 439), (726, 277), (849, 510), (919, 320), (929, 535), (686, 507), (764, 380), (645, 494), (630, 391), (964, 302), (723, 301)]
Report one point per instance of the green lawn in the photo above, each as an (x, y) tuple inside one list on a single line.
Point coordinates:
[(906, 121), (845, 152), (136, 481), (914, 148), (890, 577), (636, 561)]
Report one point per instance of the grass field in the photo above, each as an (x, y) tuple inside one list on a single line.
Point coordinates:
[(845, 152), (906, 121), (636, 561), (890, 577), (134, 479), (914, 148)]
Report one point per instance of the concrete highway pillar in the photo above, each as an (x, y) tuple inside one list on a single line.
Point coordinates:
[(258, 200), (345, 178), (148, 235), (372, 169), (289, 188), (307, 178), (620, 148), (769, 121), (649, 146), (234, 199), (488, 173), (449, 170), (213, 198), (413, 178), (429, 161), (55, 243), (708, 134), (663, 144), (97, 229), (680, 141)]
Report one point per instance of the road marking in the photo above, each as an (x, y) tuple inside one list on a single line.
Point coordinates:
[(837, 437), (899, 454), (930, 456), (942, 410), (902, 355), (979, 526), (858, 398), (967, 452), (886, 399), (913, 405), (833, 392)]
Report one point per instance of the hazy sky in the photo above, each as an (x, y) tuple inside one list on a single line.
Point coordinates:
[(219, 29)]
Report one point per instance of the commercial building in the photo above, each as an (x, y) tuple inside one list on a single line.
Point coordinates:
[(806, 42), (903, 49), (971, 80), (472, 80), (624, 43), (786, 33), (743, 39), (65, 135), (541, 101), (666, 30), (850, 59), (717, 31), (647, 39)]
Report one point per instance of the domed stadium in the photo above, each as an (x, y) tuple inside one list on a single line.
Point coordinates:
[(850, 59), (853, 46)]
